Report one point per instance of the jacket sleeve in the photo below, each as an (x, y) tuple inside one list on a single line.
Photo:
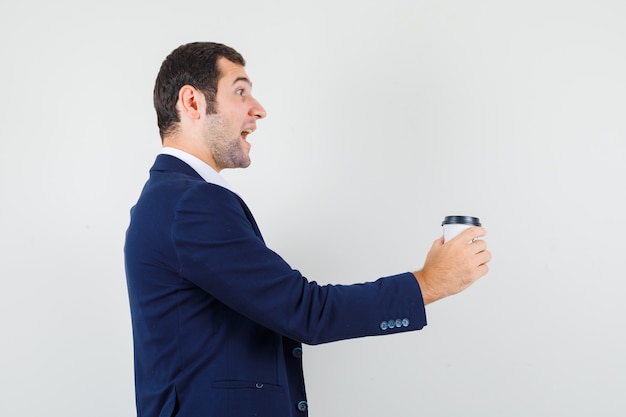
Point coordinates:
[(220, 252)]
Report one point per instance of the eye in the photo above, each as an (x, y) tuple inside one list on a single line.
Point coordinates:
[(240, 92)]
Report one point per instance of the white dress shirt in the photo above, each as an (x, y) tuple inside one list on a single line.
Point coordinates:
[(202, 168)]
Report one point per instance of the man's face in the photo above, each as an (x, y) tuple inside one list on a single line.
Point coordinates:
[(235, 118)]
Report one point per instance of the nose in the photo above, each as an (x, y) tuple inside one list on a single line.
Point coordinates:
[(256, 110)]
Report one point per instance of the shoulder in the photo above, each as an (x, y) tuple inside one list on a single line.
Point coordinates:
[(210, 213), (209, 200)]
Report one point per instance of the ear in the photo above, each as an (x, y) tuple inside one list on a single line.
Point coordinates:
[(190, 102)]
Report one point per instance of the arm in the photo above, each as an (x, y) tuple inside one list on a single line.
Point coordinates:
[(220, 252)]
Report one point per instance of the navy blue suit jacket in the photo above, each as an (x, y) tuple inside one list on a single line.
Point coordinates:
[(218, 318)]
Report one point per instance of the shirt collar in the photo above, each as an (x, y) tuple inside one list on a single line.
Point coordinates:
[(202, 168)]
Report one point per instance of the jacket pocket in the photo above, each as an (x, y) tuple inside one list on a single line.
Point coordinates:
[(243, 398), (234, 384)]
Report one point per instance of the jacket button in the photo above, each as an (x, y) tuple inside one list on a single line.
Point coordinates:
[(405, 322), (296, 352), (303, 406), (383, 325)]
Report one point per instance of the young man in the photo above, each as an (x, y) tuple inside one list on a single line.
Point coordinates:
[(218, 317)]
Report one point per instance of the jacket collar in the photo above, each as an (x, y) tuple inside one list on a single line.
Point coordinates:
[(171, 159)]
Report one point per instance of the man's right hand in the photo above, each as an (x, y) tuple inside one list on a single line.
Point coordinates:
[(453, 266)]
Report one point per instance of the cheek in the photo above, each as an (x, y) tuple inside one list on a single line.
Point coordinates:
[(237, 113)]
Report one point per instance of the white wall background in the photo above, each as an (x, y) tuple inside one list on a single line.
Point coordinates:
[(383, 117)]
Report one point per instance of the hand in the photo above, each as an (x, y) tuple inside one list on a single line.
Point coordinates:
[(452, 267)]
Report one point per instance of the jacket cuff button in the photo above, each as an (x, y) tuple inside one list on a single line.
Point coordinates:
[(303, 406), (296, 352)]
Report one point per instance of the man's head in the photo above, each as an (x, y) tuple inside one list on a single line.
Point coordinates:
[(193, 64), (204, 104)]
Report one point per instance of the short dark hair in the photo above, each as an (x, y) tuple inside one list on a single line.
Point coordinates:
[(193, 64)]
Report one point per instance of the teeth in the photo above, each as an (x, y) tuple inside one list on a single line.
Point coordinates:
[(247, 132)]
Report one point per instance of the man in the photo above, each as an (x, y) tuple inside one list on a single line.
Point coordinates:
[(219, 318)]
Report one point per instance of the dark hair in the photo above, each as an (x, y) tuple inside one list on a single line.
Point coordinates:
[(193, 64)]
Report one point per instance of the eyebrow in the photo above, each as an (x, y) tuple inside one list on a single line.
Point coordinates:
[(244, 79)]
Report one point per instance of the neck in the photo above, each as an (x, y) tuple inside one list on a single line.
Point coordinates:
[(190, 148)]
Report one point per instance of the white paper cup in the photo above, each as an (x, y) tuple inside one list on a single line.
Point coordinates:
[(453, 225)]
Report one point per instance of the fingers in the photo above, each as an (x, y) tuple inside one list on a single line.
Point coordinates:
[(478, 246), (473, 233), (479, 249), (483, 257), (482, 270), (478, 266), (470, 235)]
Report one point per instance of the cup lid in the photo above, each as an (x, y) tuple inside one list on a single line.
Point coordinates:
[(473, 221)]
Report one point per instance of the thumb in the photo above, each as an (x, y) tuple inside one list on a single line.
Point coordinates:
[(437, 243)]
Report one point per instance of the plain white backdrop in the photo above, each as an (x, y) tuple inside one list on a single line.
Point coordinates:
[(383, 117)]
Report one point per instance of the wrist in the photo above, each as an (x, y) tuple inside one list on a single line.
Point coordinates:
[(427, 295)]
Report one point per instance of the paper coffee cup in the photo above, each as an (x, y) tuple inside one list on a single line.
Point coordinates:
[(453, 225)]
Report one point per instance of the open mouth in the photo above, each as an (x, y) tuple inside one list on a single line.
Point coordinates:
[(244, 136)]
